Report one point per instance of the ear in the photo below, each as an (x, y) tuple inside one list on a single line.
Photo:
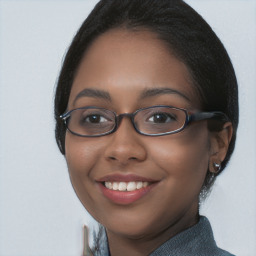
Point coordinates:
[(219, 143)]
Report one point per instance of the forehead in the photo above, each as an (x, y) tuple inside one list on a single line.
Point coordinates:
[(125, 62)]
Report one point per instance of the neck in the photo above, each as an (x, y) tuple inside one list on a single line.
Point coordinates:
[(144, 245)]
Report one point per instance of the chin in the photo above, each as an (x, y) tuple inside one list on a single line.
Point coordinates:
[(131, 225), (134, 232)]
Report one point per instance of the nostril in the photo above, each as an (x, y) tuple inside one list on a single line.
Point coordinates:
[(124, 147)]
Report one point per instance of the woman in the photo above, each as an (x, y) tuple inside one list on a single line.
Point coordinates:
[(146, 112)]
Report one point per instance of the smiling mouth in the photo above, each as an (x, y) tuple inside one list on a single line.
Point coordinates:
[(125, 189), (126, 186)]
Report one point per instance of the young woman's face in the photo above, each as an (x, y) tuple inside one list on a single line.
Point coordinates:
[(123, 66)]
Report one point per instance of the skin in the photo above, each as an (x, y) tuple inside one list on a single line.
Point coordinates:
[(124, 64)]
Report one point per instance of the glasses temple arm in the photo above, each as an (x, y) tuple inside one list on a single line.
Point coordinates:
[(219, 116)]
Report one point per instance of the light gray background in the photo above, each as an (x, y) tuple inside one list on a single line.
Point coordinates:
[(39, 212)]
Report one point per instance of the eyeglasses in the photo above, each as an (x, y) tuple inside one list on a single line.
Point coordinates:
[(151, 121)]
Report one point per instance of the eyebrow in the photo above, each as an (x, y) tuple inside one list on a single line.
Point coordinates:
[(147, 93), (93, 93)]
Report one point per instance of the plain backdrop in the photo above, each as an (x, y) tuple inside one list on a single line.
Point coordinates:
[(40, 214)]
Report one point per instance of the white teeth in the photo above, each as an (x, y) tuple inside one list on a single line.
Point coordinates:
[(109, 185), (122, 186), (145, 184), (126, 186), (139, 185), (115, 185), (131, 186)]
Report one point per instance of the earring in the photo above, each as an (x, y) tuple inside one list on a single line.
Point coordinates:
[(217, 167)]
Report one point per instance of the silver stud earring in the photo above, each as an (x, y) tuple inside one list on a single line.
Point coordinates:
[(217, 167)]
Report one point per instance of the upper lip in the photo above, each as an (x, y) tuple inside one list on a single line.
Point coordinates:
[(126, 178)]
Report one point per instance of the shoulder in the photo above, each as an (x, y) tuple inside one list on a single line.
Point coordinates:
[(223, 253), (195, 241)]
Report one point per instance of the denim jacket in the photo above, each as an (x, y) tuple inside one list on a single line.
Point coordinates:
[(195, 241)]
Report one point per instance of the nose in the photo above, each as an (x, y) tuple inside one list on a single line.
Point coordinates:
[(125, 145)]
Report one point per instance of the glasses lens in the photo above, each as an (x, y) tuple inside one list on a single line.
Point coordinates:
[(91, 121), (160, 120)]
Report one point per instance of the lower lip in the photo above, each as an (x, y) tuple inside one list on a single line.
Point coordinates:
[(125, 197)]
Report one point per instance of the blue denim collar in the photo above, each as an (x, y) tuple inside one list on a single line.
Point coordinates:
[(197, 240)]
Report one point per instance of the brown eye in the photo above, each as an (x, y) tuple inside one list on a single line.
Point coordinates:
[(95, 119), (161, 118)]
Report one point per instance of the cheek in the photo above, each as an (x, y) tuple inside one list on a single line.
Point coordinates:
[(184, 156), (81, 154)]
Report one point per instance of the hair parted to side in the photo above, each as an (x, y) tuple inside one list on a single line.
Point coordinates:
[(188, 37)]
